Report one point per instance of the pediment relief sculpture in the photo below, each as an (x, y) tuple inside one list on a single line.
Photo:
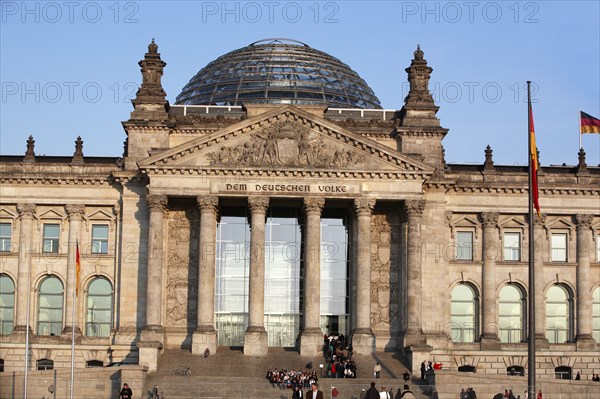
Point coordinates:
[(286, 143)]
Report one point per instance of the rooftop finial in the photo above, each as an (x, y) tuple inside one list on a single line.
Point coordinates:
[(78, 155), (581, 166), (30, 153), (418, 53), (489, 162), (152, 47)]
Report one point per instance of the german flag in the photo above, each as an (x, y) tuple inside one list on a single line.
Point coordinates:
[(534, 163), (588, 124)]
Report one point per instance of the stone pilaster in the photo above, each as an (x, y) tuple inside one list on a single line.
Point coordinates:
[(414, 330), (256, 342), (75, 213), (539, 297), (363, 339), (489, 334), (205, 335), (584, 299), (311, 339), (26, 213), (153, 334)]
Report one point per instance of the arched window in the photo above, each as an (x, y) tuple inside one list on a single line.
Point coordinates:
[(7, 304), (562, 373), (596, 315), (45, 364), (558, 315), (464, 313), (94, 363), (510, 314), (467, 369), (50, 307), (99, 308), (515, 370)]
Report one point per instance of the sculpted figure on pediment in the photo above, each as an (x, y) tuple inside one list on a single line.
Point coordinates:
[(286, 144)]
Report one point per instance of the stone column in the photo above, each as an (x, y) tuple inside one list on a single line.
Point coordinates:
[(414, 331), (26, 212), (205, 335), (153, 330), (584, 297), (75, 213), (152, 337), (538, 295), (363, 339), (311, 339), (489, 331), (256, 342)]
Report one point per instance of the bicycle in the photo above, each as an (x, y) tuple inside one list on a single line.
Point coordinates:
[(182, 370)]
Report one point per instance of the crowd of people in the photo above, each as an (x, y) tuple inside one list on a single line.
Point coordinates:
[(291, 379), (338, 357), (383, 393)]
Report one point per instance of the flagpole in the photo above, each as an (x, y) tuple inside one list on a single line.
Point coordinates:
[(73, 320), (26, 374), (531, 340), (579, 128)]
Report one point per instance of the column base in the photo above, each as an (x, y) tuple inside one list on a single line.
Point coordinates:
[(363, 341), (416, 354), (67, 333), (490, 342), (541, 342), (256, 341), (585, 342), (415, 338), (311, 342), (148, 354), (205, 337)]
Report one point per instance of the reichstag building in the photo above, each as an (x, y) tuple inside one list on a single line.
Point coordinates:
[(276, 201)]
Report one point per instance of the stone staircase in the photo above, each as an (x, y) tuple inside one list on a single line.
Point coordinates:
[(229, 374)]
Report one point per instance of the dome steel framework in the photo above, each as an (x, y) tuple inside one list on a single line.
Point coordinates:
[(278, 71)]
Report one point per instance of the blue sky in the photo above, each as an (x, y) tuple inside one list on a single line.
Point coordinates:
[(70, 68)]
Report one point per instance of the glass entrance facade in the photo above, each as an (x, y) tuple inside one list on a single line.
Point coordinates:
[(283, 282), (283, 275), (231, 276)]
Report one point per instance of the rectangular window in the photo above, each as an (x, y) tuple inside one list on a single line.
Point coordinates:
[(464, 245), (4, 237), (99, 239), (559, 247), (51, 238), (512, 246)]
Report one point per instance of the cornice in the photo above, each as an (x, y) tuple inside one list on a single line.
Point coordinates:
[(220, 171)]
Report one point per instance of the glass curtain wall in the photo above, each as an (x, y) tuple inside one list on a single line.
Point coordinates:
[(231, 277), (334, 273), (283, 283)]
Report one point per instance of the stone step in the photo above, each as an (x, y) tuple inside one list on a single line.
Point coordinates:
[(229, 374)]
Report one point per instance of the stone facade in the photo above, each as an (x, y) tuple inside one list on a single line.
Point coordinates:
[(385, 170)]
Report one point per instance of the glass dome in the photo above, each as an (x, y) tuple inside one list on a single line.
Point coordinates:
[(278, 71)]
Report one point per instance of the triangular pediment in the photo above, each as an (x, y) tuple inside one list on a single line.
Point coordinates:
[(286, 139)]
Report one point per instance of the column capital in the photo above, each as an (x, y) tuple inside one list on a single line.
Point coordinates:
[(489, 219), (414, 207), (26, 210), (584, 221), (539, 221), (258, 204), (313, 205), (156, 202), (364, 206), (75, 211), (208, 203)]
